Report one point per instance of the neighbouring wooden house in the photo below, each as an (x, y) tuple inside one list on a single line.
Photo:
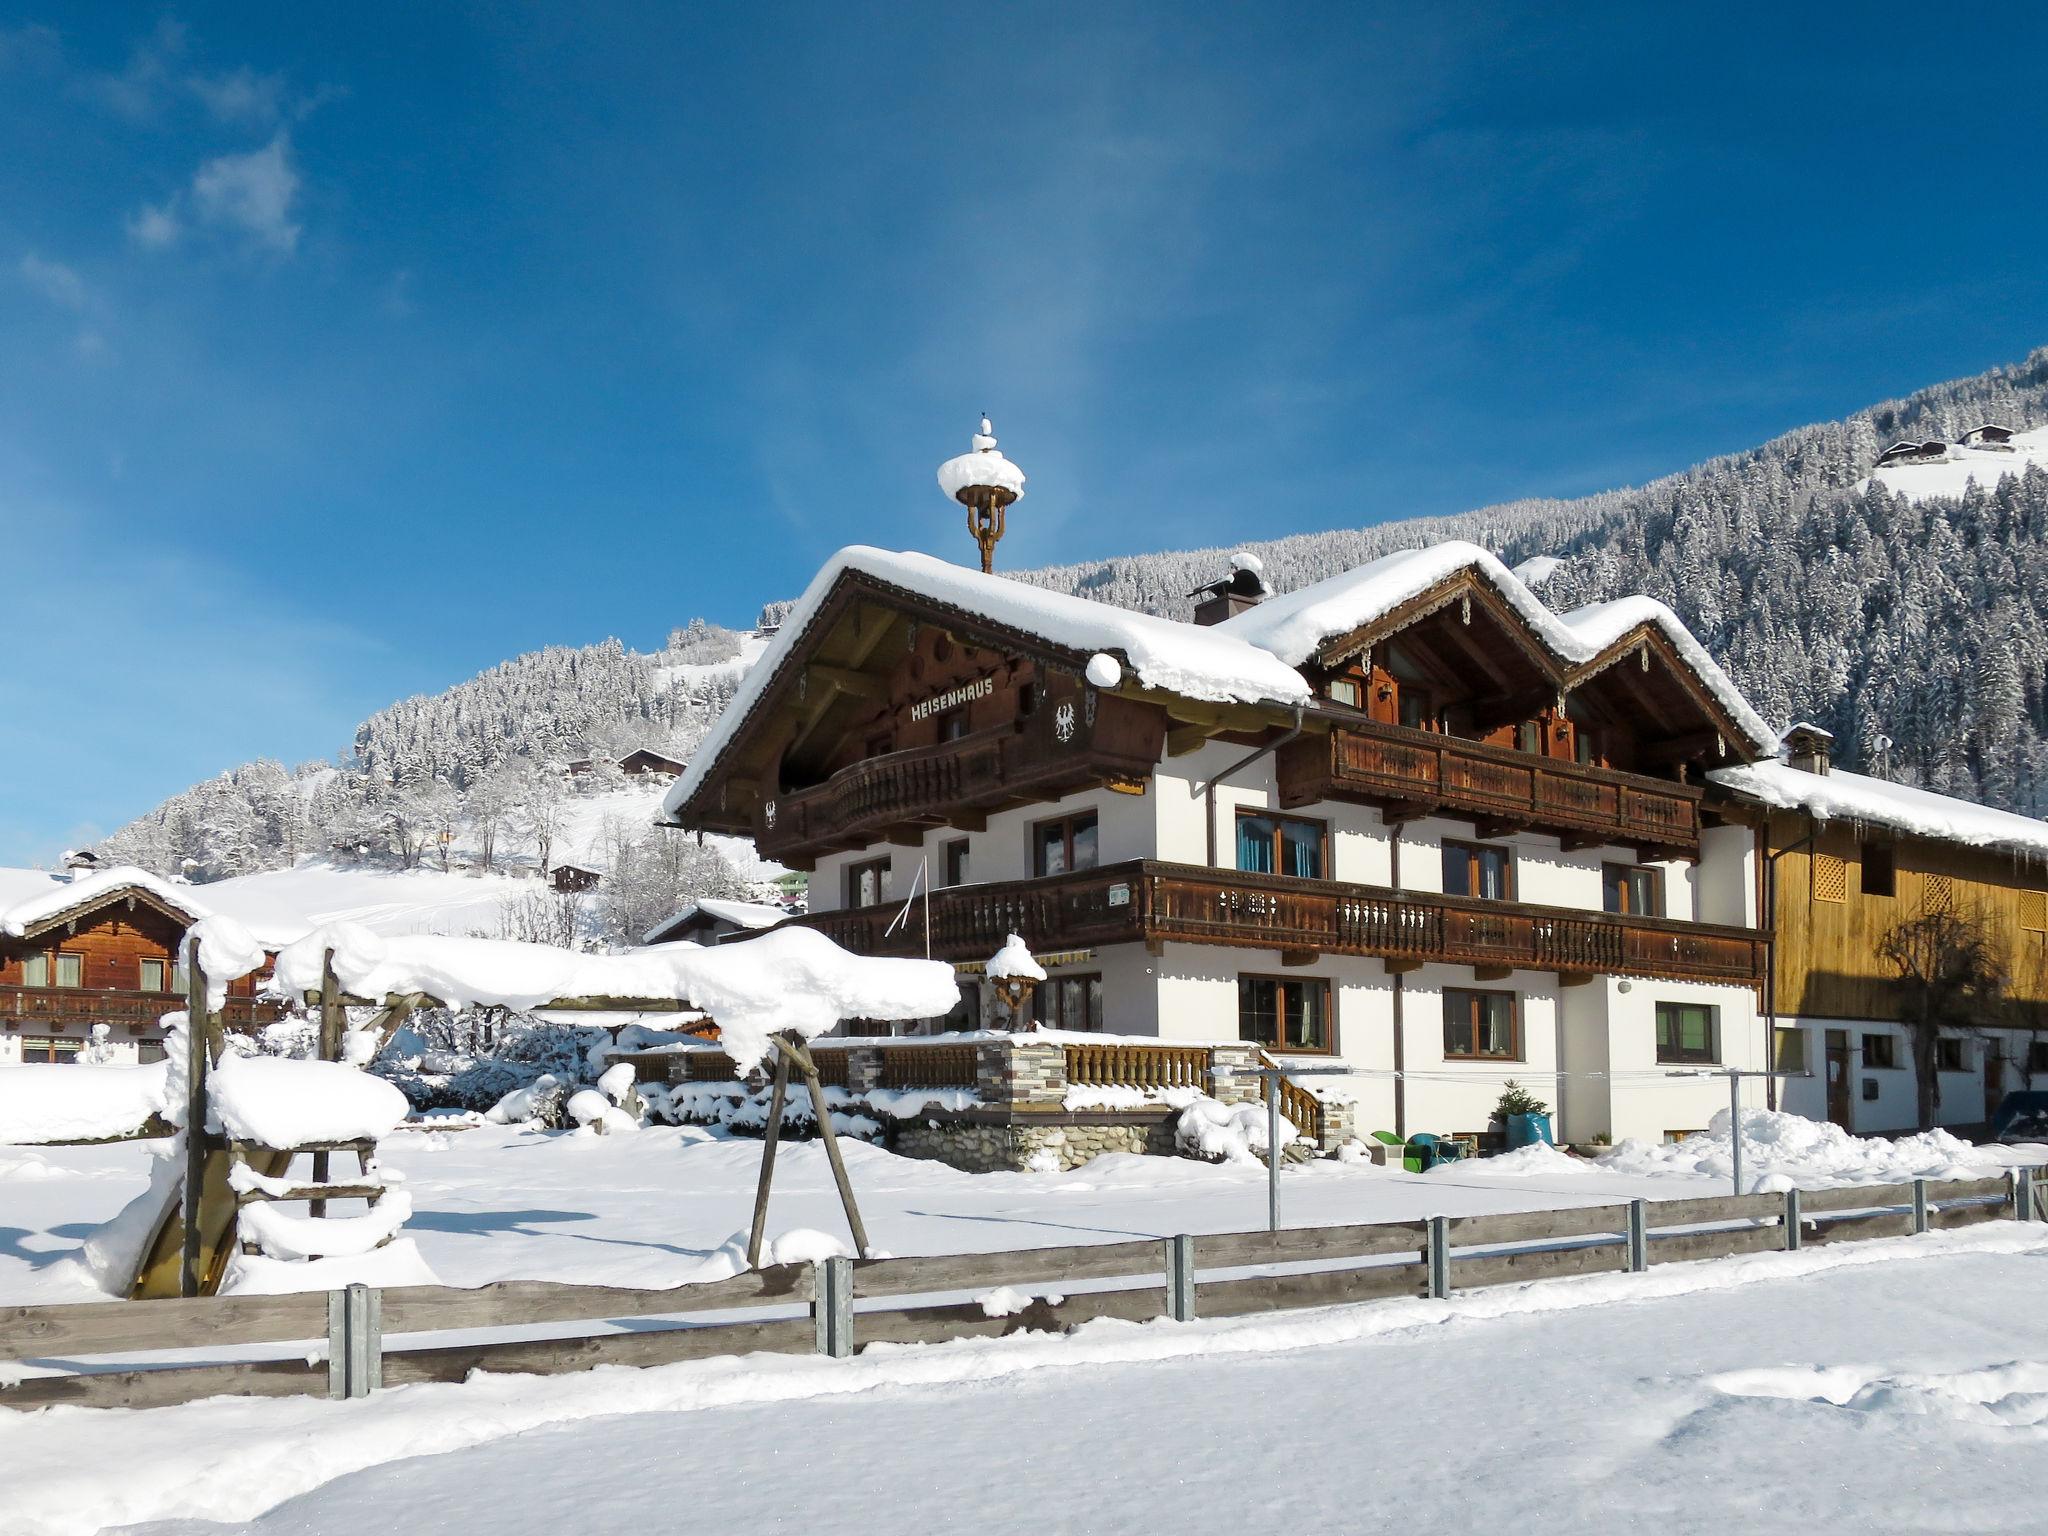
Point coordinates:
[(97, 946), (1989, 435), (645, 762), (1851, 858), (1933, 451), (713, 919), (1408, 820), (572, 878)]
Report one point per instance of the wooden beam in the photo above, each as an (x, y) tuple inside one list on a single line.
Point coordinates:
[(1299, 957), (1492, 972), (1574, 978), (1577, 842), (1183, 739), (1398, 966), (859, 684)]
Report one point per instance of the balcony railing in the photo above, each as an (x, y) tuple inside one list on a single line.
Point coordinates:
[(1032, 760), (82, 1005), (1393, 765), (1150, 901)]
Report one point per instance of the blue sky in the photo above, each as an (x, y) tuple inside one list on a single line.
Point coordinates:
[(345, 351)]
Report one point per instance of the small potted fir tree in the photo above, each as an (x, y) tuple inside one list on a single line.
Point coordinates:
[(1526, 1117)]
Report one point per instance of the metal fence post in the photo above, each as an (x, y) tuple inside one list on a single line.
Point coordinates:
[(337, 1343), (2023, 1194), (364, 1340), (1638, 1236), (1792, 1221), (1919, 1205), (1438, 1257), (1180, 1279), (832, 1306)]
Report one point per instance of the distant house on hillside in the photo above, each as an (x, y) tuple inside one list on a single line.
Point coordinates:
[(96, 947), (712, 920), (1933, 451), (571, 878), (1989, 435), (641, 762)]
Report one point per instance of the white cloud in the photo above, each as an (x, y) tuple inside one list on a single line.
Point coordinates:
[(252, 193), (155, 226), (56, 282), (241, 95)]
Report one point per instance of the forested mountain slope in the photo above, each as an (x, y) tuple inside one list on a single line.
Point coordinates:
[(1912, 629)]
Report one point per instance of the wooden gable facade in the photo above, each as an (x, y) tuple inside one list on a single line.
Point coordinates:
[(111, 960), (893, 712)]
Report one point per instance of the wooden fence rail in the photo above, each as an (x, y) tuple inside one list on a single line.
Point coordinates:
[(917, 1300)]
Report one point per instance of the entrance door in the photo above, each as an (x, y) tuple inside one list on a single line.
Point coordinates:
[(1838, 1077)]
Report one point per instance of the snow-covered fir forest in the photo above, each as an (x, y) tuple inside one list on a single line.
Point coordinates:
[(1912, 629)]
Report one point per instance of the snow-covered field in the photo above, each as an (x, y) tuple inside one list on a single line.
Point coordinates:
[(1820, 1387), (1885, 1386), (1986, 466), (659, 1207)]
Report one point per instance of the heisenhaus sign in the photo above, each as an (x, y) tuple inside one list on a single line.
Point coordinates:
[(952, 698)]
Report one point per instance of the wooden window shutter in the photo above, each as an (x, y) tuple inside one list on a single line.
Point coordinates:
[(2034, 910), (1830, 877)]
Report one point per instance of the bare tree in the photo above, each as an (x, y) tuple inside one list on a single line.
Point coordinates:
[(539, 916), (540, 809), (491, 800), (1954, 976)]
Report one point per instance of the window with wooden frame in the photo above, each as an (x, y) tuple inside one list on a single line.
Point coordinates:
[(953, 725), (1830, 877), (1687, 1033), (1636, 890), (1529, 737), (147, 1051), (1879, 874), (1482, 1026), (70, 971), (868, 883), (50, 1052), (1069, 1002), (1880, 1051), (1065, 843), (1271, 844), (1417, 706), (1952, 1055), (956, 861), (1345, 691), (1479, 869), (1284, 1013), (35, 969), (154, 974)]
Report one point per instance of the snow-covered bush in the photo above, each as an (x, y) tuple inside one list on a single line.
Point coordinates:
[(1226, 1133), (472, 1058)]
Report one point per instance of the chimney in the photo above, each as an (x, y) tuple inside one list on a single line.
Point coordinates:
[(1809, 748), (1243, 588)]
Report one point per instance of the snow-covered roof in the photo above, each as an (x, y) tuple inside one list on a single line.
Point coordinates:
[(1185, 659), (31, 897), (1295, 626), (741, 914), (1839, 795)]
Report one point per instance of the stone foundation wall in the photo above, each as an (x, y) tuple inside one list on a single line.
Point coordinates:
[(985, 1147)]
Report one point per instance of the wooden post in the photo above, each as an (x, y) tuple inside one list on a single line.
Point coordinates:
[(196, 1063), (831, 1139), (773, 1135), (331, 1021)]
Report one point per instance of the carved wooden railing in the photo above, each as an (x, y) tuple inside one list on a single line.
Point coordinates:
[(930, 784), (1119, 1064), (1302, 1109), (928, 1066), (1394, 764), (1147, 900), (83, 1005)]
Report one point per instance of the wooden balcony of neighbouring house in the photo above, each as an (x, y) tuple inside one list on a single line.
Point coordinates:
[(136, 1010), (1061, 747), (1147, 901), (1411, 772)]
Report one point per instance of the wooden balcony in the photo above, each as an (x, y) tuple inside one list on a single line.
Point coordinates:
[(1151, 902), (137, 1010), (977, 774), (1423, 772)]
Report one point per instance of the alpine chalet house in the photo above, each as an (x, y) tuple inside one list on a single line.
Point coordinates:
[(1851, 859), (95, 947), (1407, 820)]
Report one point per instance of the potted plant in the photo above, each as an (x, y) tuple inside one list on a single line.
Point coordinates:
[(1526, 1117)]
